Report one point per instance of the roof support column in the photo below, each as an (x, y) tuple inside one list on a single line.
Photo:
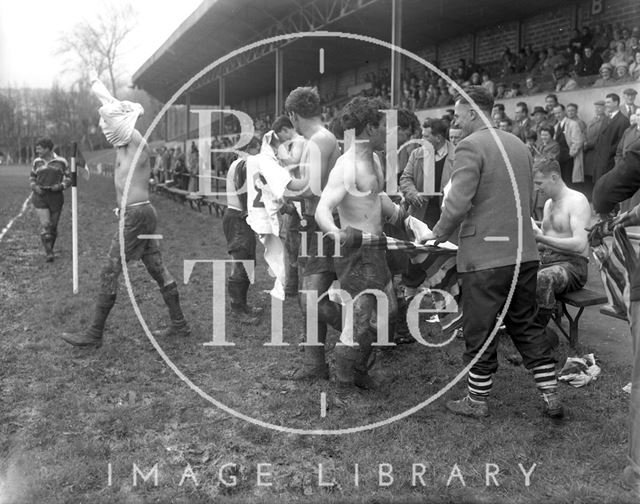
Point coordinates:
[(396, 58), (186, 136), (279, 79), (221, 101)]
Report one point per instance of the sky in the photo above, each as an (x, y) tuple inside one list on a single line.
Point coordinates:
[(30, 29)]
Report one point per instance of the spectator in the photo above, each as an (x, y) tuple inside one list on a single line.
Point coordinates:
[(455, 135), (445, 98), (610, 135), (576, 41), (591, 62), (629, 107), (500, 91), (508, 62), (572, 113), (606, 76), (432, 96), (522, 124), (513, 91), (530, 86), (422, 99), (622, 73), (531, 139), (634, 68), (475, 79), (505, 124), (488, 84), (594, 128), (600, 41), (539, 119), (531, 58), (547, 146), (576, 69), (550, 101), (563, 81), (194, 160), (620, 56), (539, 67), (571, 141), (586, 36)]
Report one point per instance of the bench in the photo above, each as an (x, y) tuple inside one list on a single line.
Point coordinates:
[(195, 199), (610, 312), (579, 299), (215, 204)]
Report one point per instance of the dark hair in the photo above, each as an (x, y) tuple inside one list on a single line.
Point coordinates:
[(546, 165), (480, 96), (559, 105), (548, 129), (572, 105), (304, 101), (254, 143), (438, 127), (530, 135), (524, 106), (614, 97), (335, 127), (407, 119), (45, 142), (551, 95), (361, 111), (499, 106), (280, 123), (507, 120)]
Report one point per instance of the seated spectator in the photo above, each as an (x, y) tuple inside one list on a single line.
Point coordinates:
[(554, 60), (508, 62), (475, 79), (562, 240), (591, 62), (622, 73), (600, 41), (513, 91), (445, 98), (576, 69), (576, 41), (563, 81), (501, 90), (586, 36), (606, 76), (530, 86), (632, 48), (432, 96), (488, 84), (422, 99), (634, 68), (620, 56), (547, 146)]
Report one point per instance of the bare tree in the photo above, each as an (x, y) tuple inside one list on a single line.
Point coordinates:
[(96, 43)]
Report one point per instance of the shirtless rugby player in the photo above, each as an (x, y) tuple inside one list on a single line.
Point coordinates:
[(117, 122), (355, 188), (562, 242)]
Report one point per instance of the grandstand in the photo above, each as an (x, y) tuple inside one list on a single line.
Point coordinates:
[(443, 33)]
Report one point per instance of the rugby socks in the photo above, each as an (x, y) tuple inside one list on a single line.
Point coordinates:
[(172, 300), (479, 386), (545, 377)]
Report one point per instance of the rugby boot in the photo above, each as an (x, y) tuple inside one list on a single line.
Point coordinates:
[(364, 362), (402, 335), (315, 366), (249, 310), (240, 312), (93, 336), (346, 357), (469, 407), (552, 405), (177, 329)]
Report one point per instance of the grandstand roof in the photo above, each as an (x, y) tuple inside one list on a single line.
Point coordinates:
[(217, 27)]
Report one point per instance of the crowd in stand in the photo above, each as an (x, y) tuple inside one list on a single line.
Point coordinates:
[(600, 57)]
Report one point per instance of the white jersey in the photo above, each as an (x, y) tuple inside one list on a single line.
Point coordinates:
[(266, 183)]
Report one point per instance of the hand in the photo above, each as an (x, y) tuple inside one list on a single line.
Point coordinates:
[(536, 230), (56, 188), (38, 189), (427, 236), (414, 199), (629, 218)]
